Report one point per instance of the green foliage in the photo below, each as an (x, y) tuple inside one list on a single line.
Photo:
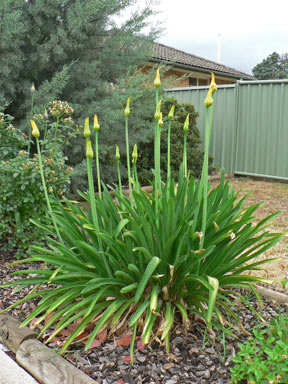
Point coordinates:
[(263, 358), (11, 139), (111, 117), (21, 197), (273, 67), (146, 261), (194, 153), (75, 51)]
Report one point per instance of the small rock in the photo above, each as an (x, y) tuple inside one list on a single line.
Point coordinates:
[(142, 358), (194, 351), (168, 366), (205, 374)]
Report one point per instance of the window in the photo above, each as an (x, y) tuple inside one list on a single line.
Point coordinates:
[(192, 81)]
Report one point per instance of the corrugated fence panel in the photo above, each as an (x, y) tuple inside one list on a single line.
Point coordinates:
[(222, 145), (250, 130), (262, 130)]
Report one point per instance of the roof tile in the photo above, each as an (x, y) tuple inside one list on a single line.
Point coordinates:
[(164, 53)]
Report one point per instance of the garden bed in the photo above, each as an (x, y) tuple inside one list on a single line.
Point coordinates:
[(191, 359)]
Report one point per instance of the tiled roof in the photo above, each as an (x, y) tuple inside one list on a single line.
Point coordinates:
[(179, 58)]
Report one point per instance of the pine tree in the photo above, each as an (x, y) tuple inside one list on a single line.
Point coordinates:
[(73, 50), (275, 66), (70, 49), (12, 32)]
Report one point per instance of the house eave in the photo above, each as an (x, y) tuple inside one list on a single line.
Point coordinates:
[(199, 69)]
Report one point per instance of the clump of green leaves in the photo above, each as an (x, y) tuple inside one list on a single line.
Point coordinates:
[(263, 358), (142, 262), (21, 197)]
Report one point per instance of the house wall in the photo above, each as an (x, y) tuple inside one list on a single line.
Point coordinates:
[(196, 78)]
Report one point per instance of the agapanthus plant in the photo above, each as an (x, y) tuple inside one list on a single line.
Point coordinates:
[(142, 262)]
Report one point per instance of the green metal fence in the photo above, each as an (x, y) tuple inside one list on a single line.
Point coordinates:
[(250, 130)]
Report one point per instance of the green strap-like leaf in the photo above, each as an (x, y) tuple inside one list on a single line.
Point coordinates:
[(146, 276)]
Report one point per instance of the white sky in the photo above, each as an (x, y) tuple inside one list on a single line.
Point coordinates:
[(250, 29)]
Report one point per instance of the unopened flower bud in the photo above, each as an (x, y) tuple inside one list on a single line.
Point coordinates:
[(32, 89), (135, 153), (171, 113), (186, 124), (45, 114), (89, 151), (161, 120), (213, 85), (157, 81), (209, 99), (96, 125), (158, 113), (117, 154), (87, 132), (127, 109), (35, 130)]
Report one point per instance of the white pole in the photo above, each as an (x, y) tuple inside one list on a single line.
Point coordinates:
[(219, 49)]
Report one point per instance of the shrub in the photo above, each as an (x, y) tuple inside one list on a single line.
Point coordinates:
[(194, 153), (263, 358), (145, 261), (21, 197)]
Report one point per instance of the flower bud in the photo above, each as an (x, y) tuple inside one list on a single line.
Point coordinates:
[(209, 99), (87, 132), (213, 85), (117, 154), (134, 153), (35, 130), (32, 89), (127, 109), (89, 151), (46, 114), (157, 81), (158, 113), (161, 120), (96, 125), (171, 113), (186, 124)]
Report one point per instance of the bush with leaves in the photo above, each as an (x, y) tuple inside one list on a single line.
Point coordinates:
[(145, 261), (263, 358), (194, 152), (21, 197)]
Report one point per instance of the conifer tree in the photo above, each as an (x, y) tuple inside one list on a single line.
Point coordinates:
[(73, 50), (70, 49)]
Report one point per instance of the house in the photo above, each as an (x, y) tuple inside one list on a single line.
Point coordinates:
[(198, 68)]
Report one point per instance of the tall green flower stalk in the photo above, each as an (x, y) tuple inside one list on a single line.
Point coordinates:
[(134, 161), (126, 114), (170, 117), (117, 157), (185, 129), (96, 128), (208, 102), (89, 156), (157, 116), (36, 134), (31, 113), (157, 187)]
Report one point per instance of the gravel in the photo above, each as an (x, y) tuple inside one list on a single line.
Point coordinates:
[(192, 357)]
